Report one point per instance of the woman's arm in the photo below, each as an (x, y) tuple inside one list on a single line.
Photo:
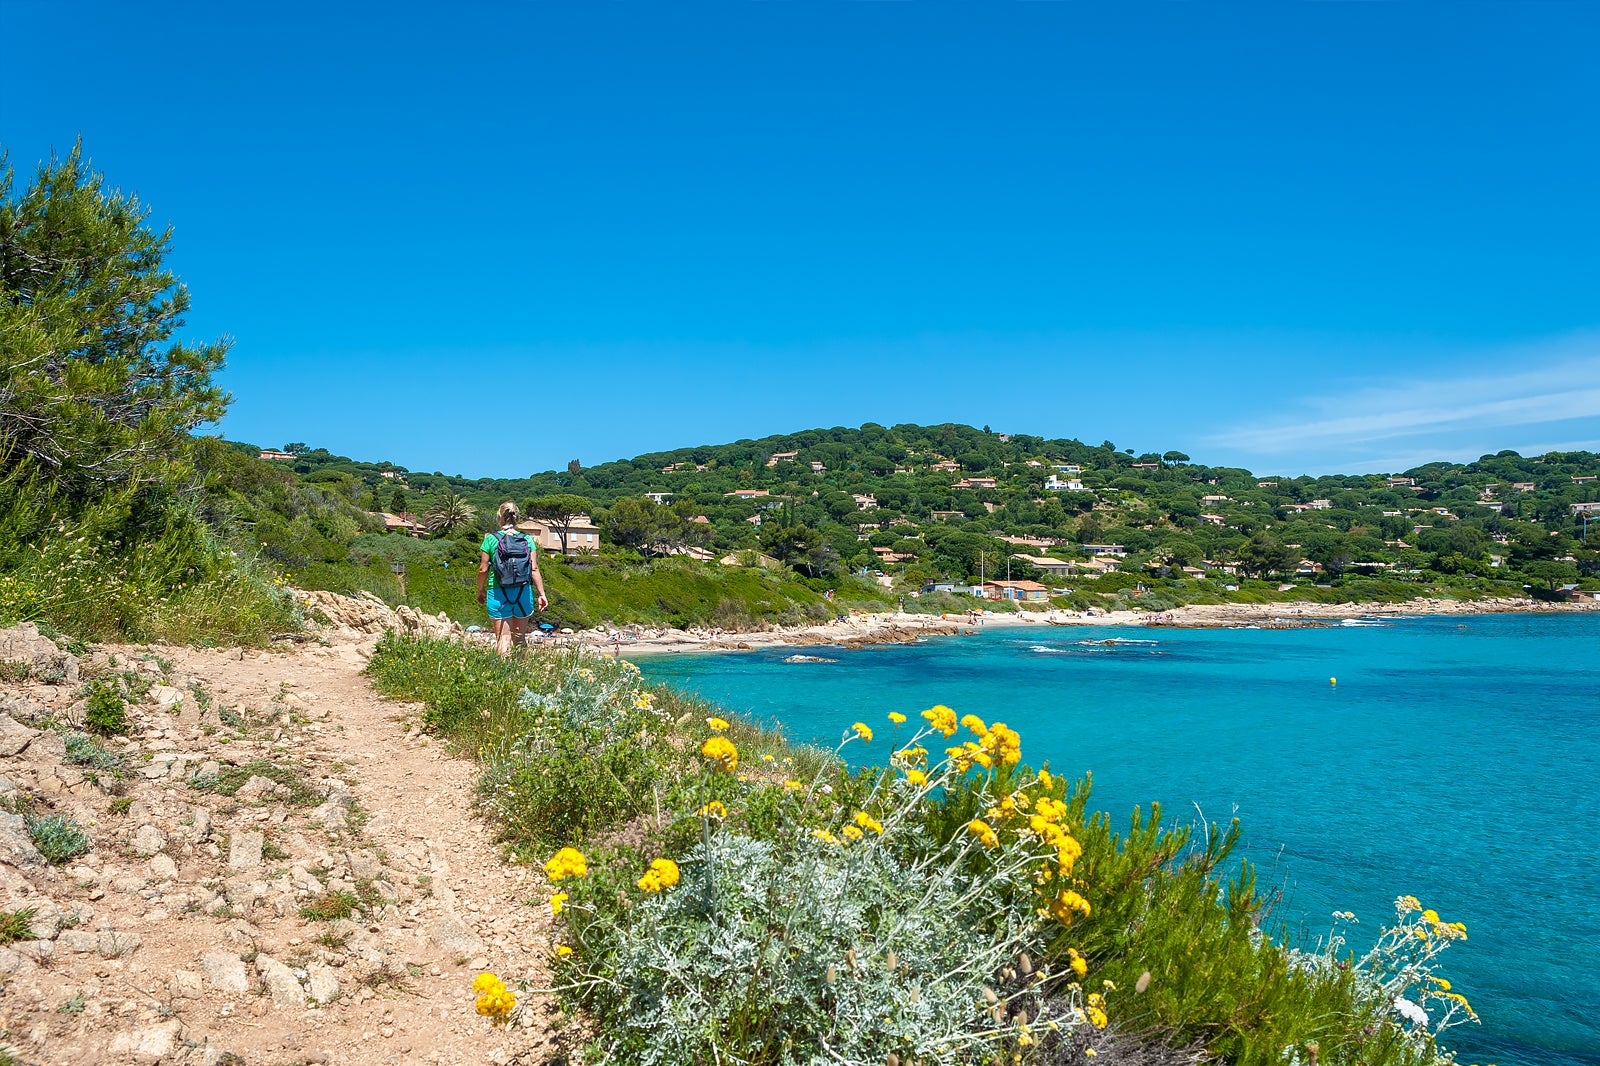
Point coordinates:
[(483, 577), (538, 583)]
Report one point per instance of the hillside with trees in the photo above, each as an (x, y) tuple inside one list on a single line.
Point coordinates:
[(909, 508)]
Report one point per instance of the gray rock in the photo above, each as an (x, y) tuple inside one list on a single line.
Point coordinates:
[(147, 840), (256, 787), (363, 866), (149, 1044), (50, 745), (78, 942), (244, 850), (12, 962), (322, 984), (14, 736), (37, 950), (202, 825), (225, 972), (114, 944), (186, 984), (25, 644), (452, 935), (163, 867), (16, 846), (280, 982)]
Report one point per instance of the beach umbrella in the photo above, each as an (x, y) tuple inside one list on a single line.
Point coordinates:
[(546, 625)]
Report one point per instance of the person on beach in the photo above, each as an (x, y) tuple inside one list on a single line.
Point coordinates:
[(508, 571)]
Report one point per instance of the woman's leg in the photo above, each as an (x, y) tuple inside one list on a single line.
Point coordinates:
[(502, 635), (519, 632)]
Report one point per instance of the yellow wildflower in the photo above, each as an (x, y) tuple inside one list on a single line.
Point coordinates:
[(863, 731), (717, 725), (792, 786), (1066, 903), (985, 834), (714, 809), (1078, 963), (852, 832), (722, 753), (495, 1001), (974, 723), (663, 873), (1046, 782), (557, 903), (941, 718), (568, 862), (867, 821), (916, 777), (562, 951), (897, 718), (824, 836)]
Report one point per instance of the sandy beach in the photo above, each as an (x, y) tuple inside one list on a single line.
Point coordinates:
[(890, 627)]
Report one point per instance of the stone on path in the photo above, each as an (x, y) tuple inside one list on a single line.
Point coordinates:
[(280, 981), (14, 736), (151, 1044), (225, 971), (451, 934), (322, 985), (147, 840), (16, 846), (244, 850)]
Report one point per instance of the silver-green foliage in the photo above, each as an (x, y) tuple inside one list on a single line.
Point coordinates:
[(57, 837), (822, 953)]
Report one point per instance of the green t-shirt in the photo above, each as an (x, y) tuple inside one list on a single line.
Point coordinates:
[(488, 546)]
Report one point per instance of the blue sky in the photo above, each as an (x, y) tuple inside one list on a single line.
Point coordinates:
[(490, 238)]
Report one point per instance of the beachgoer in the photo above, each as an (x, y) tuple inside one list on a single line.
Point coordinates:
[(510, 609)]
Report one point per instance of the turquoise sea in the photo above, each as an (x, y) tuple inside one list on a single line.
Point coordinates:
[(1457, 760)]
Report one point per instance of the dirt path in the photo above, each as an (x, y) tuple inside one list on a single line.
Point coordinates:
[(180, 937)]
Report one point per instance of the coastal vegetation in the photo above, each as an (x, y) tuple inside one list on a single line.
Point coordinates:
[(723, 893), (889, 514), (104, 528)]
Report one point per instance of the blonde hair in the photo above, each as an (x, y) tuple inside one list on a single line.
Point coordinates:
[(509, 514)]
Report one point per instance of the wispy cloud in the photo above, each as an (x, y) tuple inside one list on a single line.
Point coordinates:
[(1402, 421)]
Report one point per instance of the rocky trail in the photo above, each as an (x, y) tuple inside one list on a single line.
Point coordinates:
[(282, 868)]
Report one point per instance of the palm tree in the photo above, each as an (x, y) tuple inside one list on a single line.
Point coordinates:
[(450, 513)]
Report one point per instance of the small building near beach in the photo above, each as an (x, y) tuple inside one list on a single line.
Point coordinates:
[(1015, 590), (1052, 567), (582, 534)]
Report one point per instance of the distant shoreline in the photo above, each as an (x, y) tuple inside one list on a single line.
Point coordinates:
[(865, 630)]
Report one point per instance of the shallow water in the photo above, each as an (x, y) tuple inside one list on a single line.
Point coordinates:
[(1455, 760)]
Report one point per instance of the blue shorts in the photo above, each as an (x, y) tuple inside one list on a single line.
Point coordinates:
[(501, 606)]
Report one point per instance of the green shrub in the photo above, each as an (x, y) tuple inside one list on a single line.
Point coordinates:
[(330, 907), (58, 838), (107, 712), (17, 925), (84, 750), (230, 779)]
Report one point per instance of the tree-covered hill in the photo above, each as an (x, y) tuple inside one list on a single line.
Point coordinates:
[(953, 503)]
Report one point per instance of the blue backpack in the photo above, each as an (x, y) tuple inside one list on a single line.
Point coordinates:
[(512, 560)]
